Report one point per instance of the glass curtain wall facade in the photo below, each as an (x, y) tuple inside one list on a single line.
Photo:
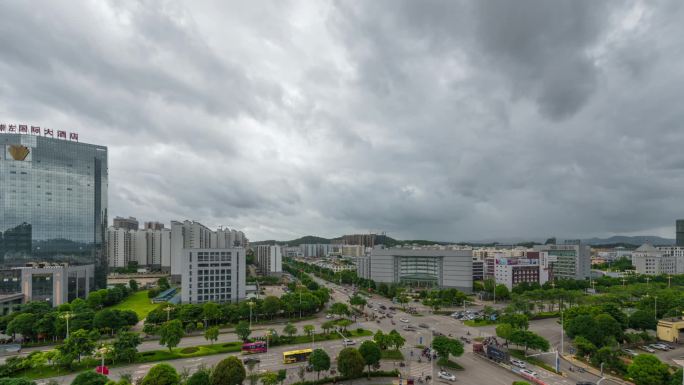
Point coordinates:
[(419, 271), (53, 199)]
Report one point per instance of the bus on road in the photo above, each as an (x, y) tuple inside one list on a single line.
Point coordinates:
[(254, 347), (296, 356)]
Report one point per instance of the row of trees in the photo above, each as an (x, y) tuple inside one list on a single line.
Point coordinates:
[(302, 301), (39, 321)]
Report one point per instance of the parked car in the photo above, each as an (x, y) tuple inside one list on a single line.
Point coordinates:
[(404, 320), (585, 383), (646, 348), (630, 352), (424, 325), (409, 328), (659, 347), (528, 372), (328, 316), (446, 375), (518, 363), (348, 342)]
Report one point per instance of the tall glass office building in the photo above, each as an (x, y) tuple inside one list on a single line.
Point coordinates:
[(53, 204)]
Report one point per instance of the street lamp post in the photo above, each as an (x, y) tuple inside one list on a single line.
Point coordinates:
[(168, 313), (251, 304), (103, 350), (655, 307), (67, 316)]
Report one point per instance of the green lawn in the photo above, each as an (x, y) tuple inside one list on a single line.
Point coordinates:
[(139, 303), (392, 355)]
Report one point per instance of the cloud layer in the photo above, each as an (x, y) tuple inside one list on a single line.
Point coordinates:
[(447, 120)]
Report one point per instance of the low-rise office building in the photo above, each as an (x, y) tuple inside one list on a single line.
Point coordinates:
[(649, 260), (56, 283), (570, 260), (445, 267), (531, 268), (216, 275)]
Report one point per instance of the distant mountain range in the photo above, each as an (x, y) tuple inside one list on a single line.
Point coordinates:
[(634, 240), (388, 241), (617, 240)]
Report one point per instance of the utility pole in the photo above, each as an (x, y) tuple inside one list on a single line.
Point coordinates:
[(168, 313), (669, 281)]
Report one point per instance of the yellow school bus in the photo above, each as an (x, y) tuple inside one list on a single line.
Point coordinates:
[(296, 356)]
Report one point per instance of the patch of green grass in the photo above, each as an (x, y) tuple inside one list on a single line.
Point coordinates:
[(139, 303), (392, 355), (479, 322), (446, 363)]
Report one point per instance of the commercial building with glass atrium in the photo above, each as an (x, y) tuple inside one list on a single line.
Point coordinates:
[(53, 199)]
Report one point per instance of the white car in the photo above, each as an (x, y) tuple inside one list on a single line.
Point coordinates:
[(659, 347), (328, 316), (347, 342), (647, 348), (404, 320), (528, 372), (518, 363), (446, 375)]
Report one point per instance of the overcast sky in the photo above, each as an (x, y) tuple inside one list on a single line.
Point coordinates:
[(445, 120)]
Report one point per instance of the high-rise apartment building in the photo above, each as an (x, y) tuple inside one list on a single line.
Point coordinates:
[(154, 226), (53, 200), (269, 259), (129, 223), (155, 246), (118, 247)]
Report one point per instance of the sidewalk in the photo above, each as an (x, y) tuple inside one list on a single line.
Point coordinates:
[(571, 359)]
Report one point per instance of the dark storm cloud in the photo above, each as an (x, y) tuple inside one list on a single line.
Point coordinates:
[(431, 119)]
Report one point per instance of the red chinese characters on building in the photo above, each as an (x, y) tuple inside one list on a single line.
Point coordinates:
[(12, 128), (73, 136), (35, 130), (3, 127), (48, 131), (61, 134), (23, 129)]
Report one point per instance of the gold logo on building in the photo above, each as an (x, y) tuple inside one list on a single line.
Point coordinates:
[(18, 151)]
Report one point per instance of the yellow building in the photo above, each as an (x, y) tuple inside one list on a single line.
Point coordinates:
[(669, 329)]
